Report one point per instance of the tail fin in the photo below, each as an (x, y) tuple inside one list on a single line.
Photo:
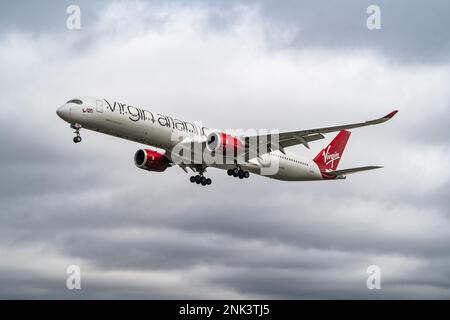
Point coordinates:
[(328, 158)]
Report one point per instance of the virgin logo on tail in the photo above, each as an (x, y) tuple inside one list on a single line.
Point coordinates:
[(329, 158)]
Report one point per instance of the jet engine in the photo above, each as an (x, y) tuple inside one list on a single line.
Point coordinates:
[(222, 143), (151, 160)]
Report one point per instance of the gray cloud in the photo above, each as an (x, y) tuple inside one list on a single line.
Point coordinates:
[(412, 31), (146, 235)]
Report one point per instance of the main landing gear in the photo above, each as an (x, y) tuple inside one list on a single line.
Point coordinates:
[(200, 179), (76, 127), (238, 172)]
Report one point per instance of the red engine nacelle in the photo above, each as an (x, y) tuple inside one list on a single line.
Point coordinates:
[(222, 142), (151, 160)]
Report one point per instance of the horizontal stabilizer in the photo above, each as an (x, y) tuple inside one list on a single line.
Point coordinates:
[(351, 170)]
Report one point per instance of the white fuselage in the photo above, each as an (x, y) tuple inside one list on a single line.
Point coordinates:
[(157, 130)]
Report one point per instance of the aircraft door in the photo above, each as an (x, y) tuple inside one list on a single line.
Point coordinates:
[(99, 106)]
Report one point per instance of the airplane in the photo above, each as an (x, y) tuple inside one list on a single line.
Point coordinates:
[(158, 130)]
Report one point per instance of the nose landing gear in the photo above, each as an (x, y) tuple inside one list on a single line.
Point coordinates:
[(76, 127), (238, 172)]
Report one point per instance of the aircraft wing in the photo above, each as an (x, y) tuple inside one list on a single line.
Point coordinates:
[(291, 138), (344, 172), (285, 139)]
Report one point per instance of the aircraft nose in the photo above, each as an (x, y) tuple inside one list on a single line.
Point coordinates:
[(63, 112)]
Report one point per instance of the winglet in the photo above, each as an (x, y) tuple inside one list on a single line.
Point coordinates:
[(390, 115)]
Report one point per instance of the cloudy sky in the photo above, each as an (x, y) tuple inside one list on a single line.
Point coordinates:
[(265, 64)]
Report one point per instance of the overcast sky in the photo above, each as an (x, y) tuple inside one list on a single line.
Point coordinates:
[(266, 64)]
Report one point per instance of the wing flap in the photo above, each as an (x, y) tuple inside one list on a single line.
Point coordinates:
[(295, 140)]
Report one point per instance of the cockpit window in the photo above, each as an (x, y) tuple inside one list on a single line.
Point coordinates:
[(75, 101)]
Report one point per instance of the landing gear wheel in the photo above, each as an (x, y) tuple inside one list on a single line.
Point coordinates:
[(76, 127), (241, 174), (200, 178), (230, 172), (246, 174)]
